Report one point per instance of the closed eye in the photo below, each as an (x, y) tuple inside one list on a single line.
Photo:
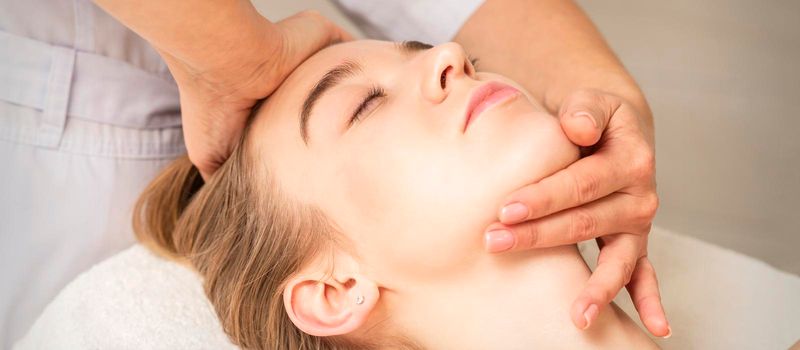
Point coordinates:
[(374, 94)]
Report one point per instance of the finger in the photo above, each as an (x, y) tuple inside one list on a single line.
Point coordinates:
[(581, 182), (198, 136), (343, 35), (585, 114), (617, 212), (643, 289), (614, 268), (307, 32)]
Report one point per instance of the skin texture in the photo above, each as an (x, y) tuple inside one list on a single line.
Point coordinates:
[(553, 49), (412, 194)]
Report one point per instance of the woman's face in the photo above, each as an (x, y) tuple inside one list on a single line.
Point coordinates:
[(405, 181)]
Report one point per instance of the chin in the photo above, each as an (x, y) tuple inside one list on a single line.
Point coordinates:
[(528, 148)]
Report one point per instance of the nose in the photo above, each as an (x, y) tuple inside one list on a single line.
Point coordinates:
[(445, 64)]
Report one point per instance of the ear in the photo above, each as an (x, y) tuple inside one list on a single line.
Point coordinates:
[(324, 305)]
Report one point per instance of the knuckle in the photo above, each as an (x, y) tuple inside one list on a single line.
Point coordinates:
[(529, 236), (542, 204), (604, 293), (641, 218), (647, 268), (644, 164), (647, 299), (595, 98), (586, 188), (591, 101), (588, 95), (645, 273), (596, 291), (582, 225), (626, 267), (649, 207), (582, 100)]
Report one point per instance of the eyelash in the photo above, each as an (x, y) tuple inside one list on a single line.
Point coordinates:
[(374, 92), (474, 61), (377, 91)]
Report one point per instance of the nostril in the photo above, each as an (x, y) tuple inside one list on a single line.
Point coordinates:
[(443, 78)]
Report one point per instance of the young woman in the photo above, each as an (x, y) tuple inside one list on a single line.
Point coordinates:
[(333, 223)]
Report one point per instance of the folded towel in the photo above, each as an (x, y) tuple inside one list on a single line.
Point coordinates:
[(133, 300)]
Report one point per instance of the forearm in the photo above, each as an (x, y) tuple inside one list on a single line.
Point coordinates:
[(200, 33), (550, 47)]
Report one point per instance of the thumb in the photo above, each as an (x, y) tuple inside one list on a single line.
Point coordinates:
[(585, 114), (307, 32)]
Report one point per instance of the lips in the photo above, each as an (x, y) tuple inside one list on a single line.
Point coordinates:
[(486, 96)]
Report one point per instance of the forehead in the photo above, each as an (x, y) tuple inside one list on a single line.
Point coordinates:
[(275, 131), (285, 103), (363, 52), (302, 79)]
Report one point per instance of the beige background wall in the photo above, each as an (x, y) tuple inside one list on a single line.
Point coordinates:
[(723, 80)]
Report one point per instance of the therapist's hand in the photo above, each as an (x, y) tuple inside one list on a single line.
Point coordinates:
[(609, 195), (218, 92)]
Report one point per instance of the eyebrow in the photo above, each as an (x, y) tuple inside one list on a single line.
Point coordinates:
[(338, 74)]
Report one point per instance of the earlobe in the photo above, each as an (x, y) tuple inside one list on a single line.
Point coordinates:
[(324, 306)]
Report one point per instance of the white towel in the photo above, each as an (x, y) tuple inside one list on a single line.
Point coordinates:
[(715, 299), (133, 300)]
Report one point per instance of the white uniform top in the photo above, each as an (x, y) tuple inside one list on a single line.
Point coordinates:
[(88, 115)]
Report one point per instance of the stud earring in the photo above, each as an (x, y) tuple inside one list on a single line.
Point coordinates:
[(359, 300)]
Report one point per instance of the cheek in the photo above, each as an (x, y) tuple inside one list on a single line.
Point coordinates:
[(417, 216), (417, 206)]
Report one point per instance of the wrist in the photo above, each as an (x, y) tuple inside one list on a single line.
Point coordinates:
[(213, 36), (234, 61)]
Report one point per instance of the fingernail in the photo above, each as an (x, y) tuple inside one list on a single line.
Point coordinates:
[(498, 240), (514, 212), (590, 314), (587, 116), (669, 333)]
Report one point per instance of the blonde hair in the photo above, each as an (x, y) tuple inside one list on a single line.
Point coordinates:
[(245, 238)]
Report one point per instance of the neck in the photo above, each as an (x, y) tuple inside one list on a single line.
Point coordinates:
[(512, 301)]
